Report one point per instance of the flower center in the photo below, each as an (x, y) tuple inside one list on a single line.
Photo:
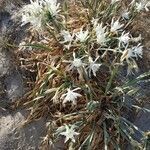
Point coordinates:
[(77, 62)]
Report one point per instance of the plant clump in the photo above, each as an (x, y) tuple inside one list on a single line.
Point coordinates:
[(83, 48)]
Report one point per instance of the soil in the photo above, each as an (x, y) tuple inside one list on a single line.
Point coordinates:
[(12, 135)]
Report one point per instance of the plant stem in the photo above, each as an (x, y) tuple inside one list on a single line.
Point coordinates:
[(113, 73)]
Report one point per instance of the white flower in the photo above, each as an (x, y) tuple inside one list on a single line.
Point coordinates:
[(144, 4), (139, 6), (138, 51), (70, 133), (101, 39), (94, 22), (125, 14), (71, 96), (99, 29), (124, 38), (127, 53), (114, 1), (93, 66), (76, 62), (32, 13), (101, 34), (35, 6), (67, 36), (52, 6), (115, 25), (134, 52), (35, 21), (82, 36), (35, 12)]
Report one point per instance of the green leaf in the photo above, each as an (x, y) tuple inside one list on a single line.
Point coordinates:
[(131, 124), (143, 109), (138, 79), (113, 73), (38, 46), (87, 142), (106, 137)]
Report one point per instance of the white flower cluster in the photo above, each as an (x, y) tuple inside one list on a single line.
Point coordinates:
[(35, 12), (81, 36), (101, 33), (91, 66), (102, 36)]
